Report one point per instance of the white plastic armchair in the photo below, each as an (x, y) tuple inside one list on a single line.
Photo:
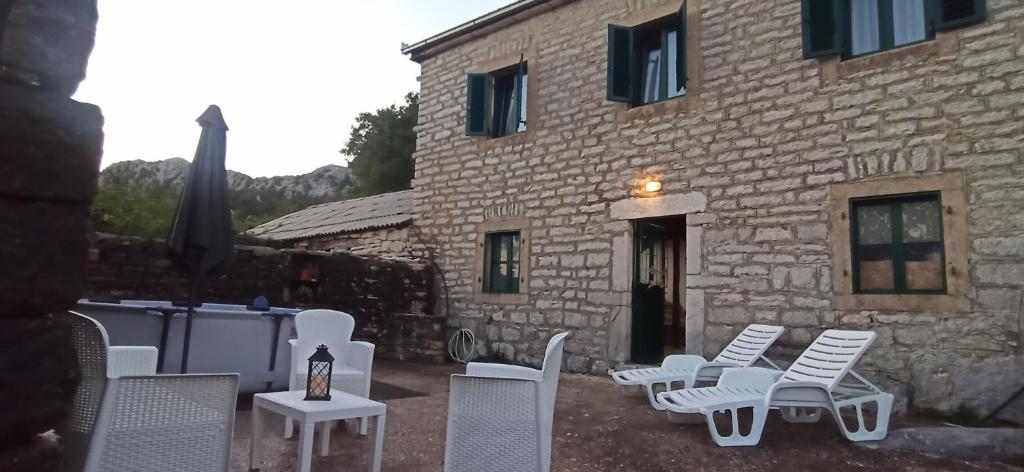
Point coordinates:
[(126, 361), (500, 417), (144, 423), (353, 360)]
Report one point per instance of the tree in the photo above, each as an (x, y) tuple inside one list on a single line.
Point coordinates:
[(381, 146)]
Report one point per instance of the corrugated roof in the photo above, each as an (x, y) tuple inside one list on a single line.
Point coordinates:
[(346, 216)]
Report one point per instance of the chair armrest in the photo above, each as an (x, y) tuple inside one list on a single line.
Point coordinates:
[(789, 393), (749, 377), (687, 362), (359, 355), (144, 418), (485, 369), (123, 361), (485, 413)]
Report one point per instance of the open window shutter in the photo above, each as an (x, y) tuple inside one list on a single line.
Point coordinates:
[(821, 28), (476, 104), (681, 47), (620, 63), (953, 14), (519, 93)]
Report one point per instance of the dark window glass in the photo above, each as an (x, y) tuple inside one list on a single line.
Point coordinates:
[(501, 256), (658, 71), (897, 244)]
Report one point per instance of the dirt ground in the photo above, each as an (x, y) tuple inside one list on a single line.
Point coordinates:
[(596, 429)]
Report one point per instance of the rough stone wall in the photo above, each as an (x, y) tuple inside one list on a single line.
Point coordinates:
[(50, 148), (763, 136), (376, 242), (391, 300)]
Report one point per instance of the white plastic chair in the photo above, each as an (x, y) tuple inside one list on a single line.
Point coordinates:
[(353, 360), (744, 351), (814, 381), (144, 423), (500, 416)]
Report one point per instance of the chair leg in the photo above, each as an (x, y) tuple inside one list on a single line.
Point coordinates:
[(651, 396), (364, 423), (760, 413), (289, 428), (883, 403)]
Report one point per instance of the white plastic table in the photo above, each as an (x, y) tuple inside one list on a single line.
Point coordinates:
[(308, 413)]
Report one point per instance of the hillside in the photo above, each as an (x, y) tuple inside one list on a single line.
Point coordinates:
[(138, 198)]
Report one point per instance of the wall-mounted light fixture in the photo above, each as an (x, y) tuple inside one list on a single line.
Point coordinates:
[(652, 186)]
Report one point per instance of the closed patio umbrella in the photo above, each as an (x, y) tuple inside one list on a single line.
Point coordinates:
[(201, 237)]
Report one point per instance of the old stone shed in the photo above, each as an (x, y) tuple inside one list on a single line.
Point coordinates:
[(376, 225), (654, 175)]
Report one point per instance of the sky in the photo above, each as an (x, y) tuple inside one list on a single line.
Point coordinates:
[(290, 77)]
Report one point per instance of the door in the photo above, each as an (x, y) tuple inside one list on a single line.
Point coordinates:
[(648, 293)]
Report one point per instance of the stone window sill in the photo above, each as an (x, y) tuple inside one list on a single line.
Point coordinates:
[(502, 298)]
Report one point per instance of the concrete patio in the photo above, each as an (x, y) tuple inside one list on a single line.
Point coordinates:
[(596, 429)]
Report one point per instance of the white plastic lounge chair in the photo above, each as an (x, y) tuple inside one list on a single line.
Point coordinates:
[(500, 416), (744, 351), (813, 382), (132, 422), (353, 360)]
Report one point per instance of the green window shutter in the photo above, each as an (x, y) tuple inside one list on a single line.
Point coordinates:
[(681, 47), (953, 14), (821, 28), (477, 96), (520, 72), (621, 63)]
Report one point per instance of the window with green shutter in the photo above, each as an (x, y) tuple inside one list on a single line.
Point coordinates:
[(501, 259), (647, 63), (853, 28), (496, 102), (897, 244)]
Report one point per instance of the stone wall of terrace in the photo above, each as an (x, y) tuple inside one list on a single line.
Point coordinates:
[(391, 300), (757, 155)]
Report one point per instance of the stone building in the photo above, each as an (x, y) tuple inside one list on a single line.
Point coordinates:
[(377, 225), (654, 175)]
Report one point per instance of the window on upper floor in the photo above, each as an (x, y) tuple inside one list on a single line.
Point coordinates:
[(501, 262), (496, 102), (647, 63), (897, 244), (853, 28)]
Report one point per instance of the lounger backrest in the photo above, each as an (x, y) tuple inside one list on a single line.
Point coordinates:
[(830, 357), (749, 345)]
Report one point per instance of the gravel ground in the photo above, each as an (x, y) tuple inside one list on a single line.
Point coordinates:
[(596, 429)]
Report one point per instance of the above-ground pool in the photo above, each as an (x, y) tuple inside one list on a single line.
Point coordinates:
[(225, 338)]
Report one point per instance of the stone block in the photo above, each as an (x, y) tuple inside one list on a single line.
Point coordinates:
[(46, 143), (37, 356), (43, 256), (46, 43)]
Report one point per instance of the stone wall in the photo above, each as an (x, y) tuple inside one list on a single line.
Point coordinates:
[(50, 149), (391, 300), (752, 155), (391, 242)]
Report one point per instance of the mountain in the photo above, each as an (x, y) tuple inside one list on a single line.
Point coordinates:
[(324, 182), (138, 198)]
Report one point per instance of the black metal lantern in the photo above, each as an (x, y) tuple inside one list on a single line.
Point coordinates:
[(318, 376)]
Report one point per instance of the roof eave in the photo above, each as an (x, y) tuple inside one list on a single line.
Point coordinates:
[(479, 26)]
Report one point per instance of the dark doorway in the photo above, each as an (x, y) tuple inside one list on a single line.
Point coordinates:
[(658, 317)]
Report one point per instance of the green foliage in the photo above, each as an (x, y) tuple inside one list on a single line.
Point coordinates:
[(381, 146), (147, 213), (130, 212)]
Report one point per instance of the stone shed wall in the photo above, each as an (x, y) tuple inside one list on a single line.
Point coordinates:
[(390, 242), (755, 156), (391, 300)]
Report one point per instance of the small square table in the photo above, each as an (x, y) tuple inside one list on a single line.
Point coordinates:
[(341, 406)]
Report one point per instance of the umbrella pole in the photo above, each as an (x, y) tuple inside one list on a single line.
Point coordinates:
[(188, 325)]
